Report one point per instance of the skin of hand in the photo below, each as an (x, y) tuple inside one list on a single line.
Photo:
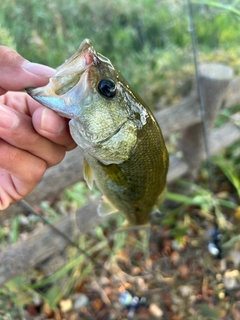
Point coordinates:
[(32, 137)]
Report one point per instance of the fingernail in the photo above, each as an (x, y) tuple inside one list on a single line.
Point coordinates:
[(52, 122), (8, 118), (38, 69)]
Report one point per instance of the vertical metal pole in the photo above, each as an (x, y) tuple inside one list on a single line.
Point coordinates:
[(200, 93)]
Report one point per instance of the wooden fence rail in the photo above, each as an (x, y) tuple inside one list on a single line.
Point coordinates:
[(218, 89)]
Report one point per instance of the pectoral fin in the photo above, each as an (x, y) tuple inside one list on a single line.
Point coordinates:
[(126, 226), (87, 174), (105, 207)]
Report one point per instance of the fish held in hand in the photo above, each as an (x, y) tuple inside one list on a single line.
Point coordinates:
[(123, 146)]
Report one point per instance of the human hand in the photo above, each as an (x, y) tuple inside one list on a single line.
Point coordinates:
[(32, 137)]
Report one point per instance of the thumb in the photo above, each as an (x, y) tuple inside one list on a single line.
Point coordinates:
[(17, 73)]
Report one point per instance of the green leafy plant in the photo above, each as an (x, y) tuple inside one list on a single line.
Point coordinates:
[(205, 199), (227, 168)]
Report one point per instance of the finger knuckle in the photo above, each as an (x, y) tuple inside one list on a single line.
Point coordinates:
[(56, 157)]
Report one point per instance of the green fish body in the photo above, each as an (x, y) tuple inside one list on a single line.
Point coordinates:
[(123, 146)]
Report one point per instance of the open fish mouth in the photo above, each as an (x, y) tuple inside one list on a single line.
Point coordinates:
[(63, 89)]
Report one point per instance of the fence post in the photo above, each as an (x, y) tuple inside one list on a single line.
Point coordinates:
[(214, 80)]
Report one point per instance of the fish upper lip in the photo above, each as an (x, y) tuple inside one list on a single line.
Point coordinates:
[(74, 65)]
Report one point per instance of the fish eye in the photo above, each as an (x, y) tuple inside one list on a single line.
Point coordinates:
[(107, 88)]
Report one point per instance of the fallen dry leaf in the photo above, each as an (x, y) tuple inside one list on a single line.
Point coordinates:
[(66, 305), (155, 311)]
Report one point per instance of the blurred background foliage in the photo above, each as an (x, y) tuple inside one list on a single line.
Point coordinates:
[(147, 40)]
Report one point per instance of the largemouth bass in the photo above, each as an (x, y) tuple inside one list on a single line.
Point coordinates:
[(123, 146)]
